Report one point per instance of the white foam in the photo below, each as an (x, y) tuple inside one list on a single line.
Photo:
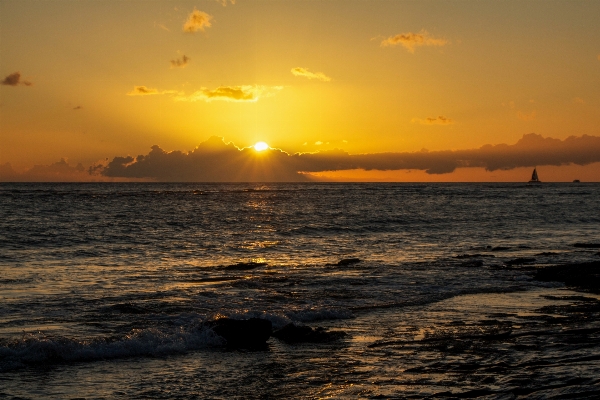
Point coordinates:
[(36, 349)]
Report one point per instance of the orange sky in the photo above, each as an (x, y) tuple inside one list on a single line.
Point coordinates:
[(88, 81)]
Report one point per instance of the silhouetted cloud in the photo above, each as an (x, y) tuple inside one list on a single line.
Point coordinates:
[(180, 63), (440, 120), (298, 71), (410, 40), (60, 171), (142, 91), (224, 2), (14, 79), (231, 93), (197, 21), (77, 108), (215, 160)]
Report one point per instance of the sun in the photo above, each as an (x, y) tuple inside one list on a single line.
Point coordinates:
[(260, 146)]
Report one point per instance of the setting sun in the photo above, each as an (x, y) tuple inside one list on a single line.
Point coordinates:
[(260, 146)]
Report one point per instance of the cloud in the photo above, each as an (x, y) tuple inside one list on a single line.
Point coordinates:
[(224, 2), (142, 91), (526, 116), (578, 100), (243, 93), (162, 26), (412, 40), (77, 108), (298, 71), (197, 21), (231, 93), (14, 79), (212, 161), (440, 120), (180, 63), (215, 160), (60, 171)]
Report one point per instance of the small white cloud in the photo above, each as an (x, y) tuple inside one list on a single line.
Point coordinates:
[(224, 2), (142, 91), (249, 93), (299, 71), (440, 120), (197, 21), (410, 40)]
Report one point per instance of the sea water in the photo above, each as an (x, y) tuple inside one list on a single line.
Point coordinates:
[(104, 289)]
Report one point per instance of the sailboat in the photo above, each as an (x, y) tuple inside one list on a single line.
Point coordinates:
[(534, 177)]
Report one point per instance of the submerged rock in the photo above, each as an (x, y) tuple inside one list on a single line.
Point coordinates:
[(244, 266), (346, 261), (292, 333), (246, 333)]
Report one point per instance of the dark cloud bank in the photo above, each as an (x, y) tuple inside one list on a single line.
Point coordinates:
[(217, 161), (214, 160)]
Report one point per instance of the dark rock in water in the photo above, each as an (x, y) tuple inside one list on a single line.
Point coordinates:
[(305, 334), (347, 261), (587, 245), (583, 275), (520, 261), (500, 248), (246, 333), (242, 266)]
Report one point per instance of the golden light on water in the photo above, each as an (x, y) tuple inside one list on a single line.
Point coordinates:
[(260, 146)]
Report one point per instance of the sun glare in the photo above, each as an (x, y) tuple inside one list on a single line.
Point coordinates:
[(260, 146)]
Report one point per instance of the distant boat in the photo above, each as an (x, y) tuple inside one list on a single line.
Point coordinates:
[(576, 181), (534, 177)]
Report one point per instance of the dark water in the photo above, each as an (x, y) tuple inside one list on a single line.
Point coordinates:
[(104, 289)]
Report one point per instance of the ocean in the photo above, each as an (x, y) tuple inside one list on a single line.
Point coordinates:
[(424, 290)]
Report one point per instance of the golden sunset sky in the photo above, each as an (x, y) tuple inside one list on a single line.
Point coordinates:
[(88, 81)]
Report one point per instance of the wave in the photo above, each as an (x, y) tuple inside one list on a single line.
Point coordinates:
[(39, 349)]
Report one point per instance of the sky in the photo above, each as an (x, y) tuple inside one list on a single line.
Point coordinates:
[(339, 90)]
